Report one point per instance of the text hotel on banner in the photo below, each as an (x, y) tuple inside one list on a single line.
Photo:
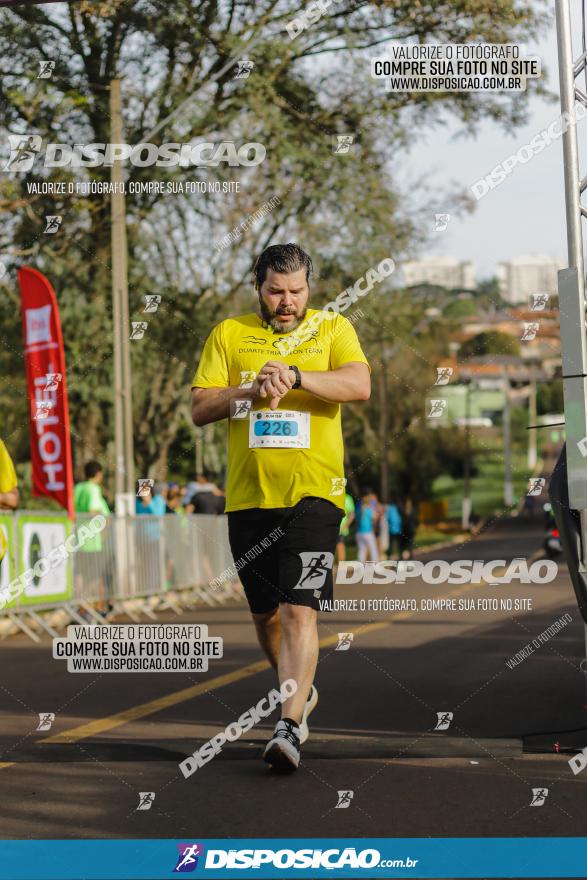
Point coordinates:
[(47, 390)]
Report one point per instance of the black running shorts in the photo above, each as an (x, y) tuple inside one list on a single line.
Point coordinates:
[(285, 554)]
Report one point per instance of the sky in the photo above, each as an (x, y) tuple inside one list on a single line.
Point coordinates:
[(526, 213)]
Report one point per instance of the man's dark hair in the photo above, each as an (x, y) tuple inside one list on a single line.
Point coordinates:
[(91, 468), (284, 258)]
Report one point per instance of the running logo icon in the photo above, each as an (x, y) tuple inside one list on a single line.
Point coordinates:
[(241, 409), (536, 485), (145, 487), (343, 143), (187, 860), (539, 796), (52, 223), (443, 375), (316, 566), (539, 302), (530, 331), (243, 69), (46, 69), (344, 641), (46, 719), (53, 380), (247, 378), (441, 222), (444, 719), (437, 408), (338, 485), (152, 302), (138, 329), (344, 800), (23, 151), (41, 409), (146, 799)]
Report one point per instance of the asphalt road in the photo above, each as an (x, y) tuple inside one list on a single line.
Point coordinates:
[(116, 735)]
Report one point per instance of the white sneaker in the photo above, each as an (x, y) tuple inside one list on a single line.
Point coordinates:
[(282, 751), (311, 704)]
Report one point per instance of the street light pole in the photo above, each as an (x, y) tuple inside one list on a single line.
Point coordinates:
[(532, 446), (383, 427), (123, 428), (466, 512), (508, 488)]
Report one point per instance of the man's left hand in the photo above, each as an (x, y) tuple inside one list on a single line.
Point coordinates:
[(277, 380)]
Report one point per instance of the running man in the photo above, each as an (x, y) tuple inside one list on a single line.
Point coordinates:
[(296, 366)]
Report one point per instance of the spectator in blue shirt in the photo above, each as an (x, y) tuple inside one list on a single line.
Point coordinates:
[(159, 501), (367, 522), (394, 525)]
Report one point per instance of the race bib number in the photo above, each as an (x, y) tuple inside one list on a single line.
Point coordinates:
[(279, 429)]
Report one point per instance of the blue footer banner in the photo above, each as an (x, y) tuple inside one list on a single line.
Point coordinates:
[(303, 857)]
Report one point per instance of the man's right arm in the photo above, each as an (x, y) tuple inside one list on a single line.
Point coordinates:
[(214, 404)]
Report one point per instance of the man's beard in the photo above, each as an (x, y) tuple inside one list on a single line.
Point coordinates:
[(270, 317)]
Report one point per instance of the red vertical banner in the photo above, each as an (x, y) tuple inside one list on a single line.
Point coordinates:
[(47, 390)]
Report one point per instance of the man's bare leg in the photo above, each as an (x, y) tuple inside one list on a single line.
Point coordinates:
[(268, 628), (298, 655)]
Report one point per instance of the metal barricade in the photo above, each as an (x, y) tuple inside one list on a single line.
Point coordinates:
[(129, 565), (94, 563), (177, 552)]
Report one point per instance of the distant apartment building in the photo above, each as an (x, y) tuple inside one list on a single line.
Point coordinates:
[(527, 275), (442, 271)]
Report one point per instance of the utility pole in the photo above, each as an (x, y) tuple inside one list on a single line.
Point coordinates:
[(508, 488), (532, 450), (123, 430), (123, 427), (466, 511), (383, 427)]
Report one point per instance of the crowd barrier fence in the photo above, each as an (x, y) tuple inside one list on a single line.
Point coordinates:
[(134, 565)]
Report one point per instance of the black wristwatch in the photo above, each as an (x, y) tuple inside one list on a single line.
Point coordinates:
[(298, 382)]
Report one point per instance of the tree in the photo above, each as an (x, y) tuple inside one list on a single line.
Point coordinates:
[(461, 308), (549, 398), (178, 86), (490, 342)]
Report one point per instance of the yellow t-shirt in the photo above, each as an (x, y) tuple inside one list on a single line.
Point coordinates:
[(7, 473), (270, 477)]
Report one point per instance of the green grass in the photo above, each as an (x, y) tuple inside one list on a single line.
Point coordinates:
[(487, 486)]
